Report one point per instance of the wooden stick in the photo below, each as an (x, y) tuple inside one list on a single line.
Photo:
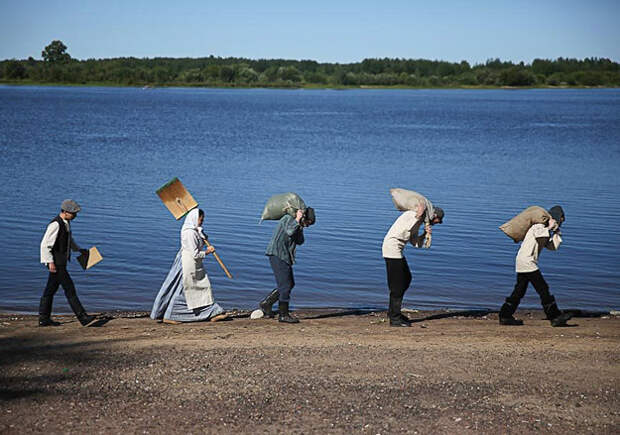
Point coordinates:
[(219, 260)]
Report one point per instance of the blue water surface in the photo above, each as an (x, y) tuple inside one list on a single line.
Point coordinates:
[(482, 155)]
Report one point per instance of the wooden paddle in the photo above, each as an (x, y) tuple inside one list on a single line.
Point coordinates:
[(179, 202)]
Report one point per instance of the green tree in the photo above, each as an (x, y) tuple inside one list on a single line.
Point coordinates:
[(14, 70), (227, 74), (517, 77), (56, 52), (289, 73), (247, 75)]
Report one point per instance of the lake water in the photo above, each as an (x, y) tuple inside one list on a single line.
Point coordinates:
[(482, 155)]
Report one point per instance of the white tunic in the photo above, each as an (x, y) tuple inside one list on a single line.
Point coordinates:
[(404, 229), (536, 238), (196, 284)]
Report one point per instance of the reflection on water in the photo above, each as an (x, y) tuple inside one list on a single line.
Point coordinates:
[(481, 155)]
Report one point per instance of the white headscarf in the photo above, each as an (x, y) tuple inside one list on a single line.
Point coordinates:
[(191, 221)]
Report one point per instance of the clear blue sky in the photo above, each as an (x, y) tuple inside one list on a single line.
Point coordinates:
[(328, 31)]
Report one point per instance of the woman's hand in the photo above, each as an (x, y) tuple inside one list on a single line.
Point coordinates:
[(209, 250)]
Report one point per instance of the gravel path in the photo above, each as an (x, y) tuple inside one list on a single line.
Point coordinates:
[(335, 373)]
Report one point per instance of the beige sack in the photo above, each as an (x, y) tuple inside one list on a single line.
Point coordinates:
[(405, 200), (518, 226)]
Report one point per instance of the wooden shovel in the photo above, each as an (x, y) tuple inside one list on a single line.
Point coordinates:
[(179, 202)]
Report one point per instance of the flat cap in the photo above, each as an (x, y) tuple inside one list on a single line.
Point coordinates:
[(557, 213), (439, 214), (70, 205)]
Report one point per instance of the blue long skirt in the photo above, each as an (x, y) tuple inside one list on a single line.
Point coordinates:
[(170, 302)]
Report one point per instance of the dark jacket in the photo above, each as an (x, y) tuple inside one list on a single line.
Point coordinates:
[(287, 235)]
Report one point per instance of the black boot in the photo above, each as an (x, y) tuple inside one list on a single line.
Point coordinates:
[(561, 319), (45, 310), (555, 316), (405, 319), (86, 319), (506, 314), (266, 305), (396, 317), (46, 321), (510, 321), (285, 316)]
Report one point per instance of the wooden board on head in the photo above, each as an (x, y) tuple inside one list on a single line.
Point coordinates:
[(179, 201), (176, 198)]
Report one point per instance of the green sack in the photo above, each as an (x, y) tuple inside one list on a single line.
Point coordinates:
[(281, 204)]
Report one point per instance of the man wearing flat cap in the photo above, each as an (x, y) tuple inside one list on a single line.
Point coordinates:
[(56, 247), (539, 236), (404, 230)]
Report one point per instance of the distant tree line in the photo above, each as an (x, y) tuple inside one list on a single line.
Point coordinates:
[(58, 66)]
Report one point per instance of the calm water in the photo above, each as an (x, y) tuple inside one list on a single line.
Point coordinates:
[(481, 155)]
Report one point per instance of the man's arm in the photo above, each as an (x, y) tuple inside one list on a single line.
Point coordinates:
[(47, 243), (554, 242), (299, 236), (291, 226), (415, 239)]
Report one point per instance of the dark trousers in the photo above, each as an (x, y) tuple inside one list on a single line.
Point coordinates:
[(541, 287), (399, 279), (283, 273), (60, 278)]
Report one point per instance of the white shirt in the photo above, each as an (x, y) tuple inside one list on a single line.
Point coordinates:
[(536, 238), (404, 229), (49, 238)]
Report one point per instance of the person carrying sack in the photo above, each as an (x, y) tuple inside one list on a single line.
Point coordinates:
[(539, 236), (405, 229), (56, 247), (281, 252)]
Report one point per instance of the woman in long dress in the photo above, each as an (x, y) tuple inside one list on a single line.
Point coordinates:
[(186, 295)]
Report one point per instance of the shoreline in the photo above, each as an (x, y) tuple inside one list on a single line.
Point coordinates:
[(151, 87), (243, 312), (336, 372)]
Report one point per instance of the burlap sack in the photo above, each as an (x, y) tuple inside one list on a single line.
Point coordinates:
[(518, 226), (281, 204), (405, 200)]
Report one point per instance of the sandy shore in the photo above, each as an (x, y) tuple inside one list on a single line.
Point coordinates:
[(333, 373)]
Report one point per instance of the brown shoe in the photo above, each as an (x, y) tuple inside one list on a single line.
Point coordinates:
[(219, 317), (172, 322)]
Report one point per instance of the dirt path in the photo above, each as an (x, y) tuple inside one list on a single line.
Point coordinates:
[(330, 373)]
